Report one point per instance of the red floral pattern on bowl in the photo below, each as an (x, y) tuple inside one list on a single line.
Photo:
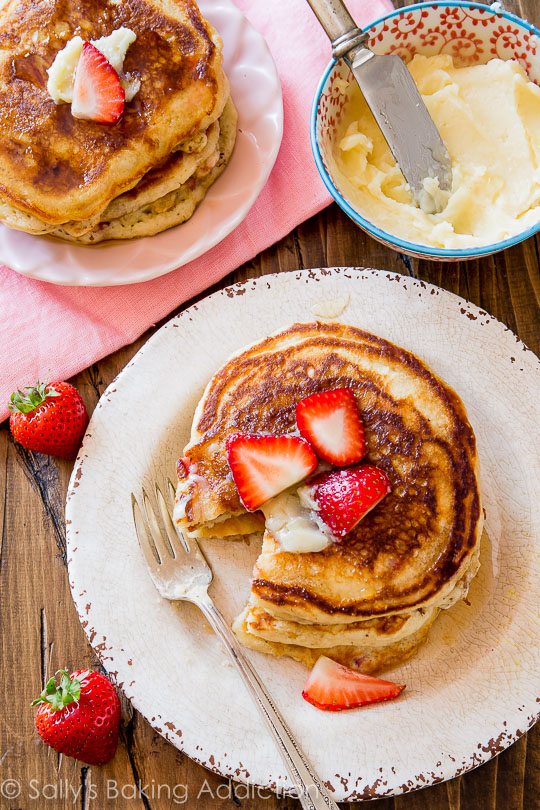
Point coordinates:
[(471, 35)]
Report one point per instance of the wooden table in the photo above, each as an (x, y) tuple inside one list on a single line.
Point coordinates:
[(40, 631)]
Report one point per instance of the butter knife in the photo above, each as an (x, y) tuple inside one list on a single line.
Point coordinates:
[(394, 100)]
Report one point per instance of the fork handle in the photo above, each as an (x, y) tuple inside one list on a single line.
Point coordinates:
[(311, 792)]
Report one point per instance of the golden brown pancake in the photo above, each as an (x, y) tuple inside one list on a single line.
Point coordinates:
[(369, 645), (168, 176), (58, 168), (364, 656), (379, 632), (410, 553), (170, 209)]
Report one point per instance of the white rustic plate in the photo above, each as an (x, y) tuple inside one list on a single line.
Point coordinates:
[(256, 91), (472, 690)]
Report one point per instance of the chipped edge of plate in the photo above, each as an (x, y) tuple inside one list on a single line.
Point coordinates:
[(485, 750)]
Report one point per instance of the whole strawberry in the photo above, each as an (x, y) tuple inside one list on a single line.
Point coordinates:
[(49, 418), (80, 716)]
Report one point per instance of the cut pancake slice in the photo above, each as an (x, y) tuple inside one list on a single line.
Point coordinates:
[(370, 645), (336, 586)]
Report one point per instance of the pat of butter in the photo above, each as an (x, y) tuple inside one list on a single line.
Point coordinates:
[(331, 308), (113, 47), (432, 198), (62, 71), (292, 520)]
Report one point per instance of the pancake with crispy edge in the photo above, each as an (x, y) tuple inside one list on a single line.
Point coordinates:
[(408, 552), (363, 656), (173, 208), (370, 645), (58, 168), (169, 176)]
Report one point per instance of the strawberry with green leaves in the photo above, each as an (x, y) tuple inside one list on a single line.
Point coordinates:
[(79, 716), (49, 418)]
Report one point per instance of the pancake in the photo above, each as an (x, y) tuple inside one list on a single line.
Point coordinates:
[(369, 645), (169, 176), (412, 555), (382, 631), (338, 586), (365, 657), (57, 168), (276, 626), (173, 208)]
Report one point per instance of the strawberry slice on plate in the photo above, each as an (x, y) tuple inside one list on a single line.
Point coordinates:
[(97, 92), (263, 466), (182, 467), (333, 687), (331, 422), (344, 497)]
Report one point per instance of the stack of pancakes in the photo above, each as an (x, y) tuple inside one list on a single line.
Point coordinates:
[(87, 182), (369, 601)]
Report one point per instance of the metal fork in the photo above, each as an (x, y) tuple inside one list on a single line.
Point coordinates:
[(180, 572)]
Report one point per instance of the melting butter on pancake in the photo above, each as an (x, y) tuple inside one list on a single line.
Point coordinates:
[(412, 555), (55, 168)]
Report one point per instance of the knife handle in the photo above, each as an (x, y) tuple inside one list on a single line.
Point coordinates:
[(340, 27)]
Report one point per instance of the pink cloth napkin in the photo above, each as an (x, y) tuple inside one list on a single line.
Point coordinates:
[(47, 331)]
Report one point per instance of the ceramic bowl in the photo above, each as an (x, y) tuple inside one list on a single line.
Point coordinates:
[(472, 33)]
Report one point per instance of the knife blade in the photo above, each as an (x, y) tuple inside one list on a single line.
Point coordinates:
[(397, 106), (394, 100)]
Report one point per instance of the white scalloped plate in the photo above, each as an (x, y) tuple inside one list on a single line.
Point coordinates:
[(256, 91), (473, 688)]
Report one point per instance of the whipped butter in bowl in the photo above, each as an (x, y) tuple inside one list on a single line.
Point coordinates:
[(481, 90)]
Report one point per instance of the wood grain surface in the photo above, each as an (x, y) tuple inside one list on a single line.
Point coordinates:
[(40, 631)]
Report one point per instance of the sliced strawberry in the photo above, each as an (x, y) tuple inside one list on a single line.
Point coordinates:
[(331, 422), (344, 497), (182, 467), (97, 92), (333, 687), (263, 466)]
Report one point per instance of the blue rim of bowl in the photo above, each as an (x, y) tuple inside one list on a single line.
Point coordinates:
[(384, 236)]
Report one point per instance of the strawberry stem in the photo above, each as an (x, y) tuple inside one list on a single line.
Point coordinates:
[(31, 397), (58, 696)]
